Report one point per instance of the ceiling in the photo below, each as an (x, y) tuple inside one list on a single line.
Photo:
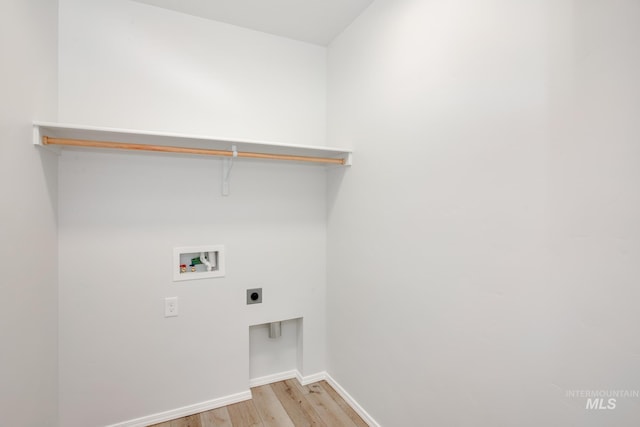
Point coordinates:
[(312, 21)]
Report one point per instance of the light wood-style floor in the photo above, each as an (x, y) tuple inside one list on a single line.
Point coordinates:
[(281, 404)]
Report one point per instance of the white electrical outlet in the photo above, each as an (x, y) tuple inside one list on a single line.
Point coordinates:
[(171, 307)]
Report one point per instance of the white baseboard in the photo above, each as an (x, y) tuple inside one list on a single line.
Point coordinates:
[(310, 378), (287, 375), (185, 410), (246, 395), (274, 378), (351, 401)]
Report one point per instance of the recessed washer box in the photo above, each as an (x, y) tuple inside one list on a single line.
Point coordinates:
[(198, 262)]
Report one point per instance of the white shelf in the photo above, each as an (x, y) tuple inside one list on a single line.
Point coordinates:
[(127, 136)]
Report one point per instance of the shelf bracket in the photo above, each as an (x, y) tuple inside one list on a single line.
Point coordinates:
[(37, 141), (227, 165)]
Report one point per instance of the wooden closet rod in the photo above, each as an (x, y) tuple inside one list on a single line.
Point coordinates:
[(169, 149)]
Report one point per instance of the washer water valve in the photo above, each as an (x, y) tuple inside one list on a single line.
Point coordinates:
[(198, 262)]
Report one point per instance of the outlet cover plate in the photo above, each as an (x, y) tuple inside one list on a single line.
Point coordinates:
[(171, 307)]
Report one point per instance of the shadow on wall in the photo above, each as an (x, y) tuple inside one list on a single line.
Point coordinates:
[(49, 161)]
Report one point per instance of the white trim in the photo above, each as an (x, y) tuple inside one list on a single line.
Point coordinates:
[(351, 401), (246, 395), (287, 375), (185, 410), (274, 378), (319, 376)]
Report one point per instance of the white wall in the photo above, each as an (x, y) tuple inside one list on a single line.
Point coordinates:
[(28, 242), (125, 64), (183, 74), (484, 250)]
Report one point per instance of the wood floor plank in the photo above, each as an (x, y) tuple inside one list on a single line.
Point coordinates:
[(326, 407), (357, 420), (244, 414), (295, 384), (216, 418), (190, 421), (282, 404), (295, 403), (270, 409)]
